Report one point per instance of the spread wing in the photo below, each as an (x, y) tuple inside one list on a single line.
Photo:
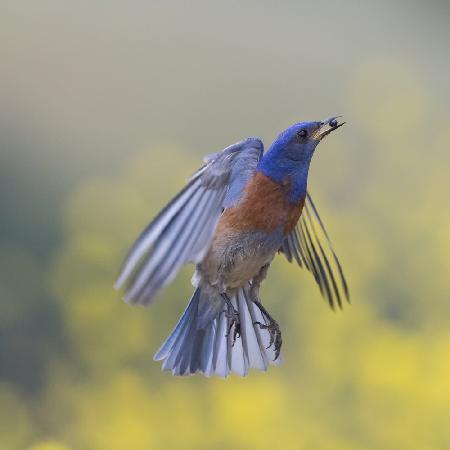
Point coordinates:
[(310, 246), (183, 230)]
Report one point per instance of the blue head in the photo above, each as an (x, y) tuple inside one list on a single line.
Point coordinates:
[(287, 160)]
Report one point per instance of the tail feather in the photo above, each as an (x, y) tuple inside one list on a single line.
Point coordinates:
[(195, 346), (251, 338), (180, 328)]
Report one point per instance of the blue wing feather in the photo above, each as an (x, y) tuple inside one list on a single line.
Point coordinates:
[(183, 231), (310, 245)]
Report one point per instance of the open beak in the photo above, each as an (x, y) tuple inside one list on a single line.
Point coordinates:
[(327, 127)]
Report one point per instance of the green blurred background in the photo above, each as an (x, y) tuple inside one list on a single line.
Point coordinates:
[(106, 107)]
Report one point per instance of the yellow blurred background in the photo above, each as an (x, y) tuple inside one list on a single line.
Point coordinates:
[(107, 107)]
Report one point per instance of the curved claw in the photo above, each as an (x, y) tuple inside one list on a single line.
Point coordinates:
[(275, 336), (233, 316)]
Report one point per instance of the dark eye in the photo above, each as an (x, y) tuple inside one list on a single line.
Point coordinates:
[(302, 134)]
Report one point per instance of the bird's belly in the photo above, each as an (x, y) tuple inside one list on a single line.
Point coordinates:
[(249, 234), (236, 258)]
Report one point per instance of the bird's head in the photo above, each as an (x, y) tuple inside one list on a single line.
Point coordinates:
[(299, 141), (290, 154)]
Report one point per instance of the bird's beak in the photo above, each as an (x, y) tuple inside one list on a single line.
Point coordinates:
[(327, 127)]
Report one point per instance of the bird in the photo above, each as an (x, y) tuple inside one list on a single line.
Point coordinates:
[(236, 213)]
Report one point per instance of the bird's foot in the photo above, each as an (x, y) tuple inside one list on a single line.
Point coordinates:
[(275, 336), (271, 325), (233, 319)]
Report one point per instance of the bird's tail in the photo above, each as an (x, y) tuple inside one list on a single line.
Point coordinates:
[(202, 342)]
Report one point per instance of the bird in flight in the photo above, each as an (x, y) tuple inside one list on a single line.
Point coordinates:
[(240, 209)]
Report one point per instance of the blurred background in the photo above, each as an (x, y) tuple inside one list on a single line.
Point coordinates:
[(107, 107)]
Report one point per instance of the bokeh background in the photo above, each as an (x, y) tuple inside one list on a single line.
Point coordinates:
[(105, 109)]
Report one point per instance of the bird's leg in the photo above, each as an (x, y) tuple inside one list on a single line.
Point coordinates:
[(233, 319), (256, 282), (272, 327), (270, 324)]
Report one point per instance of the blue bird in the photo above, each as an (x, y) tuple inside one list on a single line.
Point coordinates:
[(238, 211)]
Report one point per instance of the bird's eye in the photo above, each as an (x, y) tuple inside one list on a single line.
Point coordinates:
[(302, 134)]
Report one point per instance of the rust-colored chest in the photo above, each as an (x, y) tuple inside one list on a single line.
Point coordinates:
[(264, 207)]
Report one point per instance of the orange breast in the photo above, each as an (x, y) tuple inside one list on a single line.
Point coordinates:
[(264, 207)]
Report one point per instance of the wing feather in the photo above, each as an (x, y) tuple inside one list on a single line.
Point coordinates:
[(310, 245), (330, 246), (183, 230)]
